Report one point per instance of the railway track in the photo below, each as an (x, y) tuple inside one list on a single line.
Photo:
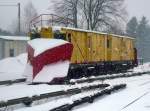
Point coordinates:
[(102, 78), (29, 100), (9, 82), (145, 83), (69, 103), (89, 99), (91, 79), (135, 100)]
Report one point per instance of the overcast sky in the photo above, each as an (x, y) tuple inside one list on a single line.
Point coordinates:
[(137, 8)]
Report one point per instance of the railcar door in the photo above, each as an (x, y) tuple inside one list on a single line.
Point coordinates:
[(109, 47), (89, 47)]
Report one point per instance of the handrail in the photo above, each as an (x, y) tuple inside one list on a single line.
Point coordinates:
[(50, 19)]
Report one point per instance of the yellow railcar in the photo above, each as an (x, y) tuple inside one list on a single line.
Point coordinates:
[(104, 52), (88, 46)]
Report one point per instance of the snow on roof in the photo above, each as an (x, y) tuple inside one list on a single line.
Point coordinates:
[(121, 36), (22, 38), (55, 28), (40, 45), (90, 31)]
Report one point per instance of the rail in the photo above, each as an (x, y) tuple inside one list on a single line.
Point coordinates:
[(89, 98), (9, 82), (50, 20), (28, 100), (90, 79), (102, 78)]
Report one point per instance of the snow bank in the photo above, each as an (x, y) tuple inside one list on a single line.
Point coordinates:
[(13, 67), (142, 68)]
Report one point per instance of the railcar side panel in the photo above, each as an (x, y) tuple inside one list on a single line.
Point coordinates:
[(79, 41), (126, 49), (93, 47), (132, 49), (116, 49), (101, 47)]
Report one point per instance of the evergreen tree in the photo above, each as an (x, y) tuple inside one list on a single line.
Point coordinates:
[(142, 28), (142, 35), (132, 27)]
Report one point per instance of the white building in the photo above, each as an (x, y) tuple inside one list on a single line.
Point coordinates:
[(12, 45)]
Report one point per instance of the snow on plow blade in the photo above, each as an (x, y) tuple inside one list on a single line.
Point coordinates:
[(48, 59)]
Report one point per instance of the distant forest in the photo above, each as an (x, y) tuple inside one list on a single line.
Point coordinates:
[(140, 30)]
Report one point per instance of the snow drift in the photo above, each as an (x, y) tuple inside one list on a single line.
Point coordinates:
[(12, 68)]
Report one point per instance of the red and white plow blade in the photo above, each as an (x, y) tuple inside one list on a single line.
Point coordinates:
[(48, 59), (55, 70)]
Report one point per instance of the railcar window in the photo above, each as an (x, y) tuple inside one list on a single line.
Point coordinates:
[(60, 36), (69, 37), (108, 43), (11, 52), (89, 42)]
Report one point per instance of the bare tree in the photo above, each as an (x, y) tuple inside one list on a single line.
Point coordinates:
[(102, 12), (67, 9), (94, 14), (116, 28), (29, 13)]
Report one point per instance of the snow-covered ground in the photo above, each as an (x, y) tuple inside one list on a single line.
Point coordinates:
[(142, 68), (136, 87), (136, 97), (13, 67)]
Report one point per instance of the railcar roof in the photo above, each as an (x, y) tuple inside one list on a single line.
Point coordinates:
[(82, 30), (17, 38)]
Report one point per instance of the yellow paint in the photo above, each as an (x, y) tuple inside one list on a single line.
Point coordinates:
[(46, 32)]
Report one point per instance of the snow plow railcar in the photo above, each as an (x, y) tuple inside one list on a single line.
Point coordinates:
[(94, 53)]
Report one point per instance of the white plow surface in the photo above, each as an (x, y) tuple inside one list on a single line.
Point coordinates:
[(49, 72)]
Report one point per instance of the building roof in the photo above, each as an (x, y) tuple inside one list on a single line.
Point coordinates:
[(20, 38)]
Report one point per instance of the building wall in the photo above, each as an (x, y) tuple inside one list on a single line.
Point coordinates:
[(17, 47), (1, 48)]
